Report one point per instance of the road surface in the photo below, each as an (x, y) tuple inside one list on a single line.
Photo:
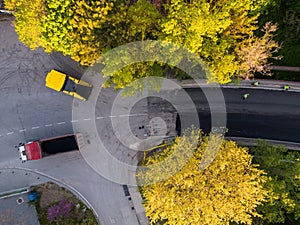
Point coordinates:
[(265, 114)]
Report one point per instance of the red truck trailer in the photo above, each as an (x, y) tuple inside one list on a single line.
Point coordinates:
[(36, 150)]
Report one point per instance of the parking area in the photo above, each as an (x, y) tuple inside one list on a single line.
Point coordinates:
[(16, 210)]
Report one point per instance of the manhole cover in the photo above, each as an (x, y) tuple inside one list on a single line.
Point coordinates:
[(20, 200)]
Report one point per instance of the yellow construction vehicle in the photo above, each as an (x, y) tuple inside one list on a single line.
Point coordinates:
[(63, 83)]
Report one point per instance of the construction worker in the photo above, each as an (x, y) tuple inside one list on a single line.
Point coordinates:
[(245, 96), (256, 83), (286, 87)]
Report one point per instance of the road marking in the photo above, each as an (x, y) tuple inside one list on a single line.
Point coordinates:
[(74, 121), (48, 125), (33, 128), (87, 119), (99, 117), (112, 116), (139, 114), (9, 133), (61, 123), (22, 130), (124, 115)]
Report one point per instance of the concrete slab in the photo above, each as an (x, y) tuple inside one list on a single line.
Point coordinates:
[(12, 212)]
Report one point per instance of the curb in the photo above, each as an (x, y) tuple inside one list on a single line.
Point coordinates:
[(275, 85), (15, 192), (253, 142), (138, 205)]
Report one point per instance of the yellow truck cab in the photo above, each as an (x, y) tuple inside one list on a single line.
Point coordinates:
[(63, 83)]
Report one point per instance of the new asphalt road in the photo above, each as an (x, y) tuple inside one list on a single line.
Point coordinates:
[(266, 114)]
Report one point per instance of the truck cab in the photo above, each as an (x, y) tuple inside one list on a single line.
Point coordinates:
[(36, 150), (69, 85), (30, 151)]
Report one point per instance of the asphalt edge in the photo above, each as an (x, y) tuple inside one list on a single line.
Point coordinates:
[(253, 142)]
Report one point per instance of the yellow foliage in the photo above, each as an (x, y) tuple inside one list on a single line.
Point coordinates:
[(202, 26), (69, 27), (28, 20), (229, 189)]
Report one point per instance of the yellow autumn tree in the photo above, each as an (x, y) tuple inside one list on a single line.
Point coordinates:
[(88, 19), (71, 27), (28, 20), (212, 29), (228, 189), (67, 26)]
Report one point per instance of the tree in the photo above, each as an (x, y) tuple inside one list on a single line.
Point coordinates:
[(143, 21), (28, 20), (283, 183), (213, 30), (71, 28), (255, 52), (228, 189), (220, 32)]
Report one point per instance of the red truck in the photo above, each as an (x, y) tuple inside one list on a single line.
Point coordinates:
[(36, 150)]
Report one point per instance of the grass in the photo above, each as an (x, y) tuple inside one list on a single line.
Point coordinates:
[(51, 195)]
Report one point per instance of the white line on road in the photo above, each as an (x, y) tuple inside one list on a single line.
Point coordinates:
[(112, 116), (124, 115), (139, 114), (99, 117), (23, 130), (48, 125), (87, 119), (9, 133), (61, 123), (33, 128), (74, 121)]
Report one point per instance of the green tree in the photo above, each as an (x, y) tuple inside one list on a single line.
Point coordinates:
[(283, 183), (228, 189), (143, 21)]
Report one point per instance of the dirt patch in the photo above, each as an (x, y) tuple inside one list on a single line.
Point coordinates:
[(57, 205), (51, 193)]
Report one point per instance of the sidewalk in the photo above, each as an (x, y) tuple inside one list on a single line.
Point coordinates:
[(263, 84)]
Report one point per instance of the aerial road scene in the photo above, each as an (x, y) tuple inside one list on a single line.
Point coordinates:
[(150, 112)]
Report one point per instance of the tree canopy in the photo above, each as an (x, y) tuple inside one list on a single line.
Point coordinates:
[(28, 20), (227, 190), (220, 32), (283, 183)]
